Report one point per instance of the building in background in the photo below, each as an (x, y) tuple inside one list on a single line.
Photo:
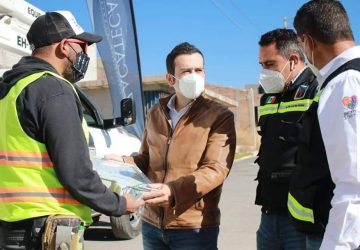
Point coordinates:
[(13, 45), (242, 102)]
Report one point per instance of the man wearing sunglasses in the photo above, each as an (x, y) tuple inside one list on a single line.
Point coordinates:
[(44, 158)]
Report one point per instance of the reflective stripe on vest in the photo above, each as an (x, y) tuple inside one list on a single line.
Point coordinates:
[(36, 194), (317, 96), (284, 107), (298, 211), (29, 186), (25, 159)]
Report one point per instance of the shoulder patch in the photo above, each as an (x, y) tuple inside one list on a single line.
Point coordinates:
[(300, 92), (350, 102), (270, 100)]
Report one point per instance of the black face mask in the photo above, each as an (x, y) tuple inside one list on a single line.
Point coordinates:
[(79, 66)]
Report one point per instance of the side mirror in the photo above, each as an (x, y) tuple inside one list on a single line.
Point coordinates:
[(128, 113)]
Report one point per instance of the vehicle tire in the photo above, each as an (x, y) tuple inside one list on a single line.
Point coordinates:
[(126, 227)]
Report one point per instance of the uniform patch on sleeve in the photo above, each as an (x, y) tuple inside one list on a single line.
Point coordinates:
[(270, 100), (350, 104), (300, 92)]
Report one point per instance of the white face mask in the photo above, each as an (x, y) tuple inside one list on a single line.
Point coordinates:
[(311, 64), (191, 86), (272, 81)]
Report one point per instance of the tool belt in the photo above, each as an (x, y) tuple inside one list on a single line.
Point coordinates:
[(63, 232), (24, 234)]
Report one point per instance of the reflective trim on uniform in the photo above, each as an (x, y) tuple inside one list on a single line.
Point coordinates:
[(284, 107), (268, 109), (36, 194), (317, 96), (298, 105), (25, 159), (298, 211)]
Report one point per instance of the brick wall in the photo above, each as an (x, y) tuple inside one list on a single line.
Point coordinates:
[(246, 131)]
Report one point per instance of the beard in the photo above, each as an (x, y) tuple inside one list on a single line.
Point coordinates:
[(69, 73)]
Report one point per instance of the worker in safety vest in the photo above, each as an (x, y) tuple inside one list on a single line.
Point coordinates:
[(324, 193), (44, 158), (289, 89)]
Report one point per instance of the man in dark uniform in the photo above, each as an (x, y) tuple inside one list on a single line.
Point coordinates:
[(289, 89)]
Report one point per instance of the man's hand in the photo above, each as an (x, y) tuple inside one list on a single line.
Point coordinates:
[(114, 157), (161, 196), (131, 204)]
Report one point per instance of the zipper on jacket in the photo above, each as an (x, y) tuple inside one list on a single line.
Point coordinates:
[(170, 137), (165, 171), (170, 133)]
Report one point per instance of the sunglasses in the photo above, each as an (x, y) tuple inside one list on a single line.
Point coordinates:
[(84, 45)]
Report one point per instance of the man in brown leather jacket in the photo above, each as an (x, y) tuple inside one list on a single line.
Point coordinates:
[(187, 152)]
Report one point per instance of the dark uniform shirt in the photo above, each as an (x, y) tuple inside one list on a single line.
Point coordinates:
[(311, 185), (279, 123)]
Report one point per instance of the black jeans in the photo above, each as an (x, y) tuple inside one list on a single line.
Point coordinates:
[(22, 235)]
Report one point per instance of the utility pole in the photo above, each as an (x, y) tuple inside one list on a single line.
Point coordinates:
[(285, 21)]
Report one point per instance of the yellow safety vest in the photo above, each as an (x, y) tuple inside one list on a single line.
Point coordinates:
[(29, 186)]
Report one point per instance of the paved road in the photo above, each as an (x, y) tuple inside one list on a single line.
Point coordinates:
[(239, 221)]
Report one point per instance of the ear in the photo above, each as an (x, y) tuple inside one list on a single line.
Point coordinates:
[(294, 60), (170, 79), (310, 42), (63, 49)]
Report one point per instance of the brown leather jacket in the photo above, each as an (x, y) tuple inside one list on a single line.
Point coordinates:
[(193, 160)]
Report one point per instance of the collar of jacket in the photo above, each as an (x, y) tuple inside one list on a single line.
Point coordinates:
[(26, 66), (305, 78), (195, 107)]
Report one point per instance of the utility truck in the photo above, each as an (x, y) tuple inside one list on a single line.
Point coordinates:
[(107, 133)]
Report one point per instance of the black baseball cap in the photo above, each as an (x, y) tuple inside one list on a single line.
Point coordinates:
[(55, 26)]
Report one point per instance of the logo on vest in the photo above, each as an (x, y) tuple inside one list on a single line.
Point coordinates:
[(350, 104), (300, 92), (270, 100)]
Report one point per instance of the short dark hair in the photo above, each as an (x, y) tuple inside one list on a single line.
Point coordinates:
[(286, 42), (324, 20), (180, 49)]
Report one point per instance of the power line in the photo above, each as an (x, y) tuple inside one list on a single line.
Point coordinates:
[(244, 15), (227, 16)]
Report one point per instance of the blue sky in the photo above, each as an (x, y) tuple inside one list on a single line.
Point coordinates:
[(226, 31)]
